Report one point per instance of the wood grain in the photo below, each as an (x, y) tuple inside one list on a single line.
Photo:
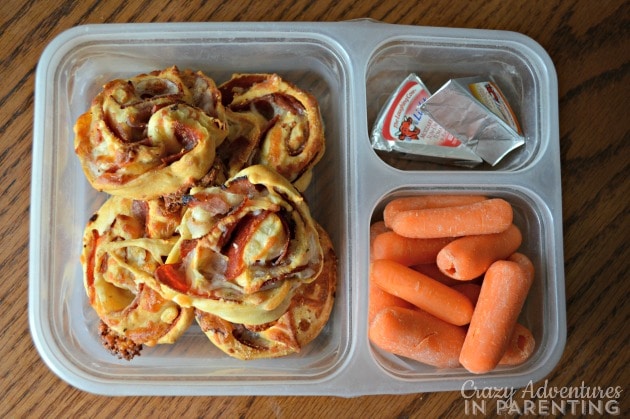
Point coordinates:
[(588, 42)]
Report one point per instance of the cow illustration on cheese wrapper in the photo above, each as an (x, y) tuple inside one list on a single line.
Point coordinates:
[(402, 127)]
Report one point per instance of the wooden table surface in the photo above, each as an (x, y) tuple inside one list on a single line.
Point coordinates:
[(588, 43)]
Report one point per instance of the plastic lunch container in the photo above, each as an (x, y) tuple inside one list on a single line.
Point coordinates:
[(352, 68)]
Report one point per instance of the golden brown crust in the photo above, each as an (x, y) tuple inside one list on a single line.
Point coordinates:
[(243, 249), (240, 148), (303, 321), (123, 244), (151, 134), (287, 132)]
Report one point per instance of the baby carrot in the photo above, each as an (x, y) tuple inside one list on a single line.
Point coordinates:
[(524, 262), (431, 270), (470, 290), (520, 347), (379, 299), (417, 335), (407, 251), (522, 342), (377, 228), (417, 202), (484, 217), (422, 291), (468, 257), (503, 293)]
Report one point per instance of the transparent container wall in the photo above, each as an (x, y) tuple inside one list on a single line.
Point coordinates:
[(309, 64), (436, 64)]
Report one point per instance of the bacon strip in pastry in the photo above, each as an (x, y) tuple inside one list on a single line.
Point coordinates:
[(123, 244), (286, 129), (148, 136), (244, 249)]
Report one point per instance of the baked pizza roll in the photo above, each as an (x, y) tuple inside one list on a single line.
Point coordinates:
[(124, 242), (303, 321), (149, 135), (244, 249), (287, 132)]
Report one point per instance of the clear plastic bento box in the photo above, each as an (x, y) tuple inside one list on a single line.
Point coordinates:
[(352, 68)]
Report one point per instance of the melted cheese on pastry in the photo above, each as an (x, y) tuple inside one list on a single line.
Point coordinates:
[(150, 135), (285, 128), (303, 321), (123, 245), (244, 248)]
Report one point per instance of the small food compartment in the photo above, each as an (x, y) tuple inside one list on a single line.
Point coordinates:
[(539, 313), (72, 71), (436, 62)]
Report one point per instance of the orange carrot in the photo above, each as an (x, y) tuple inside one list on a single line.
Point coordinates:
[(522, 342), (417, 202), (422, 291), (417, 335), (484, 217), (468, 257), (520, 346), (405, 250), (470, 290), (503, 293), (379, 299), (377, 228), (524, 262), (431, 270)]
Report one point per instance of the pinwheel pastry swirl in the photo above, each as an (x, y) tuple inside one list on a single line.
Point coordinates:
[(303, 321), (244, 249), (123, 244), (280, 126), (152, 134)]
